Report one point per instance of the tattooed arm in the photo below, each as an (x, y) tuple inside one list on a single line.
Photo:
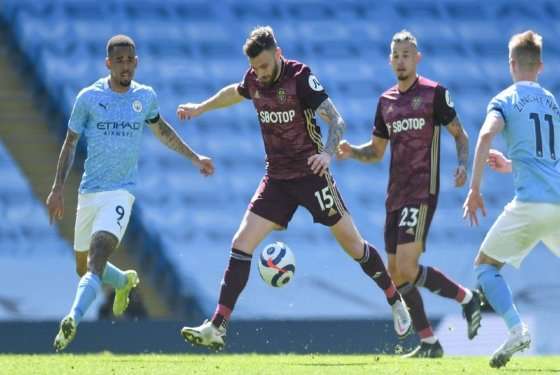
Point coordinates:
[(55, 200), (330, 115), (462, 145), (370, 152), (169, 137), (319, 163)]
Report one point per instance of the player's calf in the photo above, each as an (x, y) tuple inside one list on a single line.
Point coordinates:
[(102, 246)]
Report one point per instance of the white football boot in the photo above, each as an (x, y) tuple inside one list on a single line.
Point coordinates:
[(205, 335), (401, 319), (518, 340)]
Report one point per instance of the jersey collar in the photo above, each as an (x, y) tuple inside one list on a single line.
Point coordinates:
[(411, 86), (107, 87), (528, 83)]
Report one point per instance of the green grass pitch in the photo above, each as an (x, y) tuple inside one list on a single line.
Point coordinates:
[(109, 364)]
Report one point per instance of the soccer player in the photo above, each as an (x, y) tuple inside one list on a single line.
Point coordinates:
[(286, 96), (529, 118), (111, 114), (410, 116)]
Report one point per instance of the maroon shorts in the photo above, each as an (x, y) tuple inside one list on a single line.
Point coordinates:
[(277, 200), (410, 223)]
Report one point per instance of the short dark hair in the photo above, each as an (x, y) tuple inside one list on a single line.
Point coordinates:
[(119, 41), (261, 38)]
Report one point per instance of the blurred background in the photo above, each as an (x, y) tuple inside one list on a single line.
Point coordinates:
[(182, 224)]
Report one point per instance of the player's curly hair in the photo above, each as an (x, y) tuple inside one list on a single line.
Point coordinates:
[(261, 38), (526, 48), (119, 41)]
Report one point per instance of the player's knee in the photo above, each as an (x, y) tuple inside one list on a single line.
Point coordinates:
[(393, 270), (408, 272), (351, 242), (102, 245), (482, 258), (102, 242), (242, 244), (81, 269)]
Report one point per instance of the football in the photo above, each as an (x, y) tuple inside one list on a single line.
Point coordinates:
[(277, 264)]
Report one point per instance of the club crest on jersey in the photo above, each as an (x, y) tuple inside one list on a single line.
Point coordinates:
[(281, 95), (137, 106), (416, 102), (257, 95)]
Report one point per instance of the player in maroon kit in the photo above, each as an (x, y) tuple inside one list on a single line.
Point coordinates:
[(286, 96), (409, 116)]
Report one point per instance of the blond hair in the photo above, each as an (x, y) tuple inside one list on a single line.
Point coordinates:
[(404, 36), (526, 48)]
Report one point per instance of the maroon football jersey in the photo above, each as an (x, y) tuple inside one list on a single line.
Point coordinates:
[(411, 121), (286, 113)]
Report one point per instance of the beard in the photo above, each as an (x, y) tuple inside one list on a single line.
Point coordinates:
[(272, 78), (402, 76), (125, 82)]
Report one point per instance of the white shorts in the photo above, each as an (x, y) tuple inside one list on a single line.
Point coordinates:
[(107, 211), (519, 229)]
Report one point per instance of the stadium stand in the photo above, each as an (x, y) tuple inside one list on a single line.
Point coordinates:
[(189, 50), (31, 253)]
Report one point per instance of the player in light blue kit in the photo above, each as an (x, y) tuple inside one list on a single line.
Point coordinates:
[(111, 114), (529, 118)]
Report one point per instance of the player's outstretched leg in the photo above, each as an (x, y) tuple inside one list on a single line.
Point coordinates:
[(373, 266), (211, 333), (437, 282), (251, 232), (371, 263), (102, 245), (500, 298), (430, 346), (88, 288)]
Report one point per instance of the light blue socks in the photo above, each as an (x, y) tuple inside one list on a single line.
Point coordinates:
[(497, 292), (113, 276), (88, 288)]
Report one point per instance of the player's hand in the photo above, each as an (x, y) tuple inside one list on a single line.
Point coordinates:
[(344, 150), (189, 110), (55, 205), (319, 163), (498, 162), (460, 175), (472, 204), (205, 165)]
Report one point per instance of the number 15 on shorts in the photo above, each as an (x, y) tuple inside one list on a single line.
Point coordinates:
[(325, 198)]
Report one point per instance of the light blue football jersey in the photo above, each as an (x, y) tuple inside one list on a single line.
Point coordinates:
[(532, 135), (112, 124)]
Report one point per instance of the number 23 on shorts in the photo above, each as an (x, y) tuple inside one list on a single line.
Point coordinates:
[(409, 217)]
